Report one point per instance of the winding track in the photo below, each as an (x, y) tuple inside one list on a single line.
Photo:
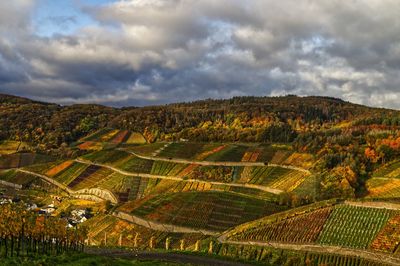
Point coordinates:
[(210, 163), (162, 227), (77, 194), (174, 178)]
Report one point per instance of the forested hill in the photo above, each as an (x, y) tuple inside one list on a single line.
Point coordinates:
[(251, 119)]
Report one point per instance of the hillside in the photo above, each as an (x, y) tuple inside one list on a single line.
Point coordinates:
[(302, 180)]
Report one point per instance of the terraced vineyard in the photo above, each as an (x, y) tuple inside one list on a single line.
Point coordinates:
[(181, 150), (384, 187), (207, 210), (10, 146), (332, 260), (388, 238), (231, 153), (136, 165), (79, 176), (69, 174), (17, 160), (147, 149), (275, 177), (300, 229), (16, 177), (167, 168), (354, 227), (116, 231), (110, 157), (391, 170), (114, 136)]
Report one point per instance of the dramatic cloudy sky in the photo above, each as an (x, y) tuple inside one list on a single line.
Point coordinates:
[(139, 52)]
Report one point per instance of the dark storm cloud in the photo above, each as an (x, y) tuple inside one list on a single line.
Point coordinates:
[(157, 51)]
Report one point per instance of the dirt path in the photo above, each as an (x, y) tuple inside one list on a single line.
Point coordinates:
[(167, 257), (381, 257), (207, 163), (49, 180), (374, 204), (162, 227), (174, 178), (81, 194)]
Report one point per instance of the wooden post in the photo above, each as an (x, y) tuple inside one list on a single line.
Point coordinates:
[(105, 238), (151, 242), (197, 245), (120, 240), (210, 247), (136, 240), (167, 243), (182, 246)]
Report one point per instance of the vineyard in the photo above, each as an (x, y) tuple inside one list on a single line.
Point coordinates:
[(107, 156), (113, 136), (136, 165), (146, 149), (207, 210), (388, 238), (69, 174), (231, 153), (18, 178), (181, 150), (106, 229), (390, 170), (23, 232), (300, 229), (167, 168), (383, 187), (9, 146), (214, 173), (275, 177), (271, 256), (354, 227), (16, 160), (78, 176)]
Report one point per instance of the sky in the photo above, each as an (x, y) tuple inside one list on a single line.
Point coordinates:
[(148, 52)]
